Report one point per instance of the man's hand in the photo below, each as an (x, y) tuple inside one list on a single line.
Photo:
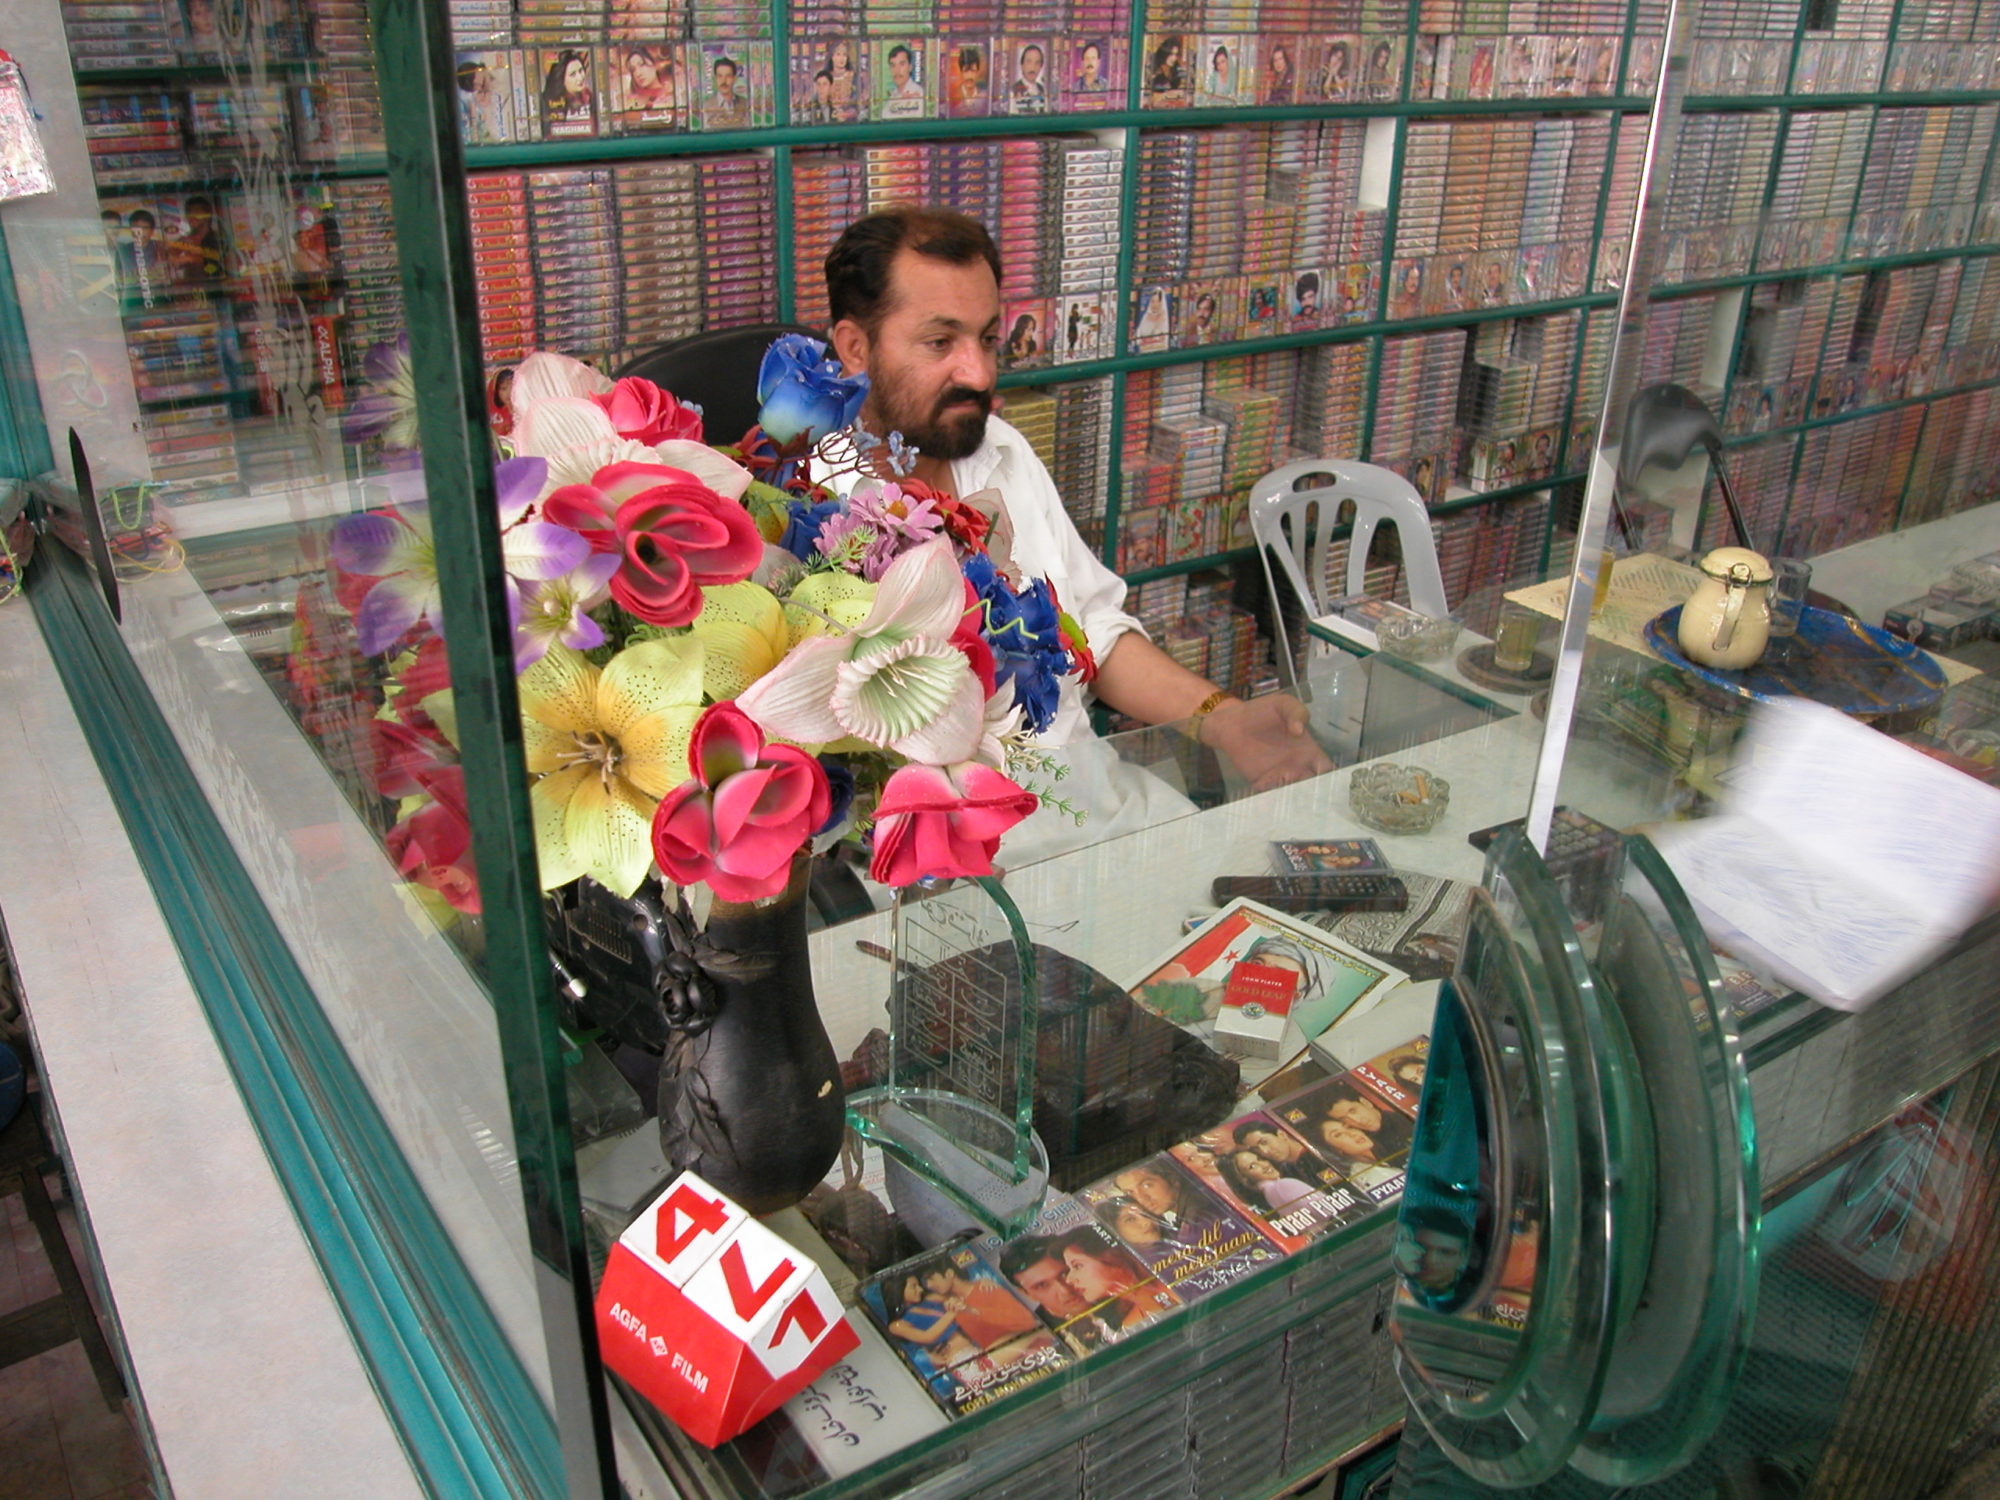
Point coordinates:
[(1265, 739)]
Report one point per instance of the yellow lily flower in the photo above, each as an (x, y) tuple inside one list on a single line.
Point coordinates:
[(742, 627), (840, 597), (604, 747)]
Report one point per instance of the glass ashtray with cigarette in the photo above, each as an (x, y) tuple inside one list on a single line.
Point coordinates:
[(1415, 637), (1398, 799)]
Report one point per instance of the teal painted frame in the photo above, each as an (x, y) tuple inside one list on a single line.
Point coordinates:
[(415, 64), (424, 1332), (24, 436)]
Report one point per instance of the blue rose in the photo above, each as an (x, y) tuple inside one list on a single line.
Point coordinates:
[(801, 392), (802, 524), (840, 786), (1024, 631)]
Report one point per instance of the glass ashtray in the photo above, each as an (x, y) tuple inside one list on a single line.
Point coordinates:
[(1398, 799), (1414, 637)]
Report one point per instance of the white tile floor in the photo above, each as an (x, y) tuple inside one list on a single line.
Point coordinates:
[(58, 1440)]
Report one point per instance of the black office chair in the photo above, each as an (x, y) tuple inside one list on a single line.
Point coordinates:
[(718, 371)]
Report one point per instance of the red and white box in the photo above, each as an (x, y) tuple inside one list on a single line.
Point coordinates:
[(1256, 1003), (712, 1317)]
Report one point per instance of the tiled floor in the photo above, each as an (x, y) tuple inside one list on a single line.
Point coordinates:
[(58, 1440)]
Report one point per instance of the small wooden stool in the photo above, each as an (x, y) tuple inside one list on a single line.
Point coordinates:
[(53, 1321)]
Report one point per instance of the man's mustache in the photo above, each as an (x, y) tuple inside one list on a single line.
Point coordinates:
[(982, 399)]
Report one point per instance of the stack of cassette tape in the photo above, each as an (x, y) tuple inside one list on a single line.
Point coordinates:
[(363, 251), (574, 222), (1328, 399), (122, 33), (1416, 398), (503, 265), (133, 134), (738, 248), (659, 254), (1082, 463), (478, 24), (1818, 171), (337, 110), (1250, 420), (829, 192), (1033, 414)]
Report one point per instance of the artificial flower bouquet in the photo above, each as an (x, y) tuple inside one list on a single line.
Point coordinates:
[(722, 661)]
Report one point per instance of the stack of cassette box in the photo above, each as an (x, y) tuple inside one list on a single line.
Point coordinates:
[(576, 260), (363, 251), (1818, 172), (1494, 212), (829, 192), (1975, 322), (660, 255), (503, 265), (338, 109), (1250, 419), (1511, 396), (1715, 196), (1166, 206), (1416, 398), (560, 25), (1958, 459), (1844, 51), (1033, 414), (123, 33), (738, 244), (1741, 47), (1083, 453), (1921, 186), (1126, 1460), (1850, 480), (1340, 1377), (1930, 51), (1677, 342), (133, 135), (1761, 473), (480, 23), (1328, 400)]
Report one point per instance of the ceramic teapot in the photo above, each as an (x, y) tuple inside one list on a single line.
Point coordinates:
[(1726, 621)]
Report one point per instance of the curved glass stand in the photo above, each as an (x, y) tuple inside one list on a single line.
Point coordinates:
[(1514, 1171), (1682, 1343), (957, 1104)]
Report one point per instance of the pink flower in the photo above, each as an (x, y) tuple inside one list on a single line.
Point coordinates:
[(943, 821), (433, 845), (645, 413), (747, 811), (674, 533)]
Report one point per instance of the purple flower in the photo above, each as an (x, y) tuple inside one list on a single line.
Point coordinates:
[(388, 408), (395, 547)]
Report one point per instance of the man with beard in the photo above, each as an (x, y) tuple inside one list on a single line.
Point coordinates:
[(915, 300)]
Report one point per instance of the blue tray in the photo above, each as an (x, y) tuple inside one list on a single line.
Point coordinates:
[(1834, 659)]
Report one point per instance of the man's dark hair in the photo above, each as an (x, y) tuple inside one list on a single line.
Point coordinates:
[(1309, 282), (857, 268), (139, 218), (1023, 1253), (724, 62), (904, 52)]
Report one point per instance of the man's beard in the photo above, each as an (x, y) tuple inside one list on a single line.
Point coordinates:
[(936, 433)]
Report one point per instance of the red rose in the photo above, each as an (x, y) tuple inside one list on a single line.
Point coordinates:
[(746, 812), (433, 845), (645, 413), (944, 821), (676, 536)]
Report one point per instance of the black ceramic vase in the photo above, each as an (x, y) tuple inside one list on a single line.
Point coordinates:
[(752, 1101)]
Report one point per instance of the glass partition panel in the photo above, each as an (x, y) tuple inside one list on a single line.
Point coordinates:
[(214, 312)]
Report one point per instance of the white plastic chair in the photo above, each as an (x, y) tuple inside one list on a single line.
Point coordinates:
[(1298, 525)]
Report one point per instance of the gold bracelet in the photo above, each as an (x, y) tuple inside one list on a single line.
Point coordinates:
[(1207, 706)]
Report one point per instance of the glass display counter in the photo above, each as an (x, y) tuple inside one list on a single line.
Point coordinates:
[(473, 1152)]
